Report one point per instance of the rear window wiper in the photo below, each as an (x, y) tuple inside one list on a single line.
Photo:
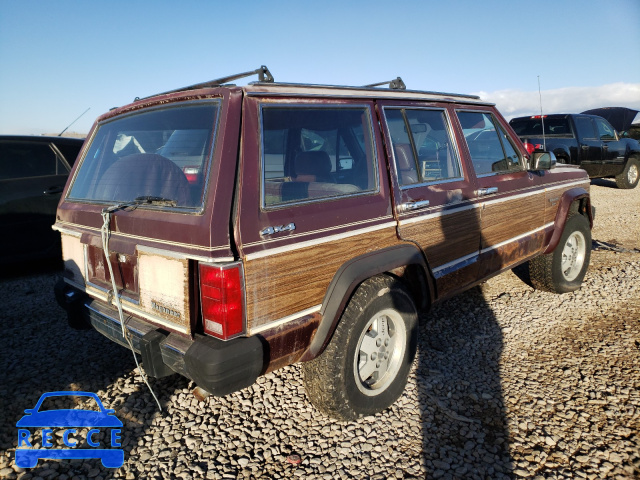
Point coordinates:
[(151, 200), (142, 200)]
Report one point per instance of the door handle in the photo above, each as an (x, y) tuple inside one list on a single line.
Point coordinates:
[(53, 190), (487, 191), (410, 206)]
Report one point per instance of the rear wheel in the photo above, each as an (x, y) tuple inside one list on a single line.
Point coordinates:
[(564, 269), (365, 366), (630, 175)]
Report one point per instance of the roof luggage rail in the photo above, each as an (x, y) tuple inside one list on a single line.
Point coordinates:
[(264, 75), (396, 84)]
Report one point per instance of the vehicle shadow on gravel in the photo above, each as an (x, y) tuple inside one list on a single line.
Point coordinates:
[(604, 182), (465, 433)]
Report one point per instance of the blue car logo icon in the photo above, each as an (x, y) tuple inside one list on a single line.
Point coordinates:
[(68, 420)]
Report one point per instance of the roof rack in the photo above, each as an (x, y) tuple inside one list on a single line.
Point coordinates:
[(396, 84), (264, 75)]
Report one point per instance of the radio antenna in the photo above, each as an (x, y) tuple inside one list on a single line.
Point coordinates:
[(544, 139), (60, 134)]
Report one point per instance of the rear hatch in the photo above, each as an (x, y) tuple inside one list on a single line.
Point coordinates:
[(157, 165)]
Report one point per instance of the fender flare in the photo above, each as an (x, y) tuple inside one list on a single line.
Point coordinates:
[(568, 198), (349, 276)]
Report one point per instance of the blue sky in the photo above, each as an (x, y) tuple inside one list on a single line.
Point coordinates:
[(60, 58)]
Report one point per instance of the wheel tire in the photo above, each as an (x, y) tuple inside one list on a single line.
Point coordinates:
[(630, 175), (563, 270), (375, 337)]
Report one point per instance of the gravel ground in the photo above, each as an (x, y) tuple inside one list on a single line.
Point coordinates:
[(508, 383)]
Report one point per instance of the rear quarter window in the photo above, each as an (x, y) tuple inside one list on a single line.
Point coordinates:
[(27, 159)]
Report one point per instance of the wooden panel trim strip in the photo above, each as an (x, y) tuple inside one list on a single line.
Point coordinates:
[(441, 213), (464, 261), (515, 239), (319, 241)]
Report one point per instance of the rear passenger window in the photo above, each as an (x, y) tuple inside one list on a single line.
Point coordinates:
[(489, 146), (313, 153), (422, 146), (585, 128)]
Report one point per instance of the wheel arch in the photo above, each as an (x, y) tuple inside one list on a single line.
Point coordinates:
[(404, 258), (575, 200), (562, 151)]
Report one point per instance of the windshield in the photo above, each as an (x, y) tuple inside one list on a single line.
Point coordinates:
[(160, 154)]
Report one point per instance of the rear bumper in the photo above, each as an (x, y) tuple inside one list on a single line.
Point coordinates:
[(219, 367)]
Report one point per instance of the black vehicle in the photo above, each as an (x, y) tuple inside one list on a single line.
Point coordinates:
[(585, 140), (33, 173)]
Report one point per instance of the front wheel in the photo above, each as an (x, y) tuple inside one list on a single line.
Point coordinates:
[(630, 175), (564, 269), (365, 366)]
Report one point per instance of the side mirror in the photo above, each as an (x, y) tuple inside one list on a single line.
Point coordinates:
[(543, 161)]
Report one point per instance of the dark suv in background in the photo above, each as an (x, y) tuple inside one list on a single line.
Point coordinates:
[(33, 172)]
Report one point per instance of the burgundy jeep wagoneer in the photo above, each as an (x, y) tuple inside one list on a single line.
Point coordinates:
[(224, 232)]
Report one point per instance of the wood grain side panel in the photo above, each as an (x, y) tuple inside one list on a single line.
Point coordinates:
[(286, 283), (447, 237), (552, 201), (502, 221)]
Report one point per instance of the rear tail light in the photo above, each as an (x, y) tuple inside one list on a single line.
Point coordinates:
[(530, 147), (222, 300)]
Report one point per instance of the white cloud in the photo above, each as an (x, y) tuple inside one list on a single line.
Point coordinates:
[(516, 103)]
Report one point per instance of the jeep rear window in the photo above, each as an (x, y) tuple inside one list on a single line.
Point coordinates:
[(311, 153), (160, 153)]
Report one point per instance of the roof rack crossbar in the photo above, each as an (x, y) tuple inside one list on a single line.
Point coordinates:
[(396, 84), (264, 75)]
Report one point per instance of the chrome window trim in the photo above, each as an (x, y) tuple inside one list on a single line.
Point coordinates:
[(195, 210), (452, 141), (346, 106)]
